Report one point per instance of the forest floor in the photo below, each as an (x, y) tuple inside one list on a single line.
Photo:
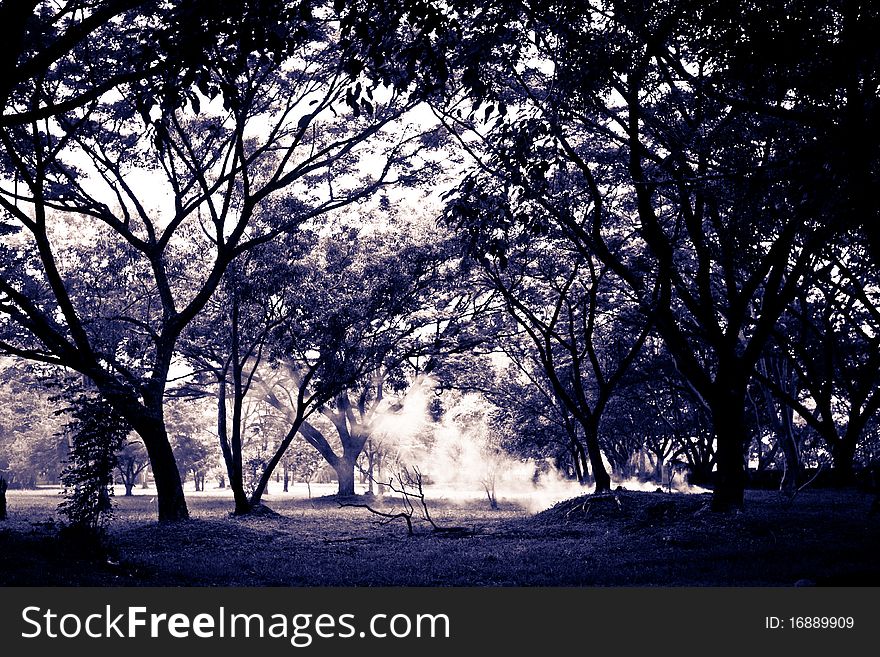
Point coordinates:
[(823, 537)]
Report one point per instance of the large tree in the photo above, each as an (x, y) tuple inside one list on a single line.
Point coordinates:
[(380, 305), (583, 328), (830, 343), (607, 118), (290, 117)]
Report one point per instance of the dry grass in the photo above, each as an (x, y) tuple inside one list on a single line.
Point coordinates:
[(631, 539)]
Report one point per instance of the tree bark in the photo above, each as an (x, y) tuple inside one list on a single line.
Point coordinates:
[(169, 487), (843, 453), (600, 474), (579, 460), (344, 467), (728, 422), (148, 421)]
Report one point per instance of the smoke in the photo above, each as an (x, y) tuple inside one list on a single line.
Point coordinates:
[(459, 455)]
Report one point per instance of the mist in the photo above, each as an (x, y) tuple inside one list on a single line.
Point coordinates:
[(459, 456)]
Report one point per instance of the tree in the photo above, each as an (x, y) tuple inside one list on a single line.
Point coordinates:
[(583, 329), (286, 121), (659, 408), (693, 202), (131, 461), (32, 445), (832, 343), (304, 463), (230, 339), (190, 440), (378, 305), (727, 142)]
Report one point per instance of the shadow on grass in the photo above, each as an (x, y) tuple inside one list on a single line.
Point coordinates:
[(628, 539)]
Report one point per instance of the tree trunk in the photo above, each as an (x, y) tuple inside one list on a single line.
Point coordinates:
[(129, 485), (730, 431), (257, 495), (600, 474), (790, 457), (231, 457), (353, 439), (370, 474), (579, 460), (2, 498), (169, 487), (236, 483), (148, 421), (344, 467), (843, 453)]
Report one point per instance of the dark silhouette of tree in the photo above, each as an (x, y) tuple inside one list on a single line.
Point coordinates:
[(831, 339), (583, 330), (229, 341), (694, 204)]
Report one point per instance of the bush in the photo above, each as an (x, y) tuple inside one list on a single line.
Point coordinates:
[(96, 435)]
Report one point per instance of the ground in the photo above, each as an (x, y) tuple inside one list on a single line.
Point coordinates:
[(822, 537)]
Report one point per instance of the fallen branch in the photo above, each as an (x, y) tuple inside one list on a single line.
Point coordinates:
[(389, 517), (410, 487)]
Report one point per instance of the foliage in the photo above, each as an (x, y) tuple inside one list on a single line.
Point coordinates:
[(116, 313), (96, 434), (32, 448), (659, 242)]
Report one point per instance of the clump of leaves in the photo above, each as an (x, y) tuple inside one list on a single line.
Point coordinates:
[(96, 434)]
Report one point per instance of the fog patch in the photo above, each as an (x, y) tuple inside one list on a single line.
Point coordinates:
[(459, 455)]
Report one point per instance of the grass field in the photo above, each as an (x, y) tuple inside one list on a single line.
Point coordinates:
[(825, 537)]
